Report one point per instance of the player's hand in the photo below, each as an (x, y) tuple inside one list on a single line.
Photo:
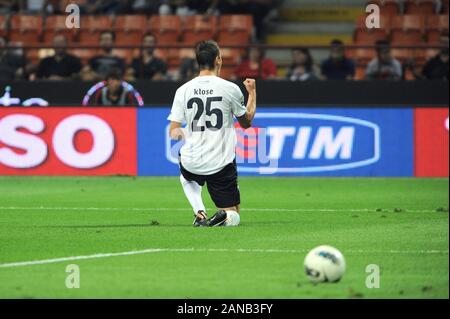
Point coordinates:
[(250, 85)]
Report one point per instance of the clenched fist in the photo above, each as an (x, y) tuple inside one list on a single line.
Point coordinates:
[(250, 85)]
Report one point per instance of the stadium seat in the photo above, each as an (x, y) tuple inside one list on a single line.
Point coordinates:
[(57, 25), (387, 7), (166, 28), (230, 56), (370, 37), (198, 28), (91, 27), (235, 29), (84, 54), (130, 29), (435, 26), (407, 29), (403, 55), (361, 56), (3, 26), (360, 73), (421, 7), (26, 29), (174, 56), (408, 22), (227, 72)]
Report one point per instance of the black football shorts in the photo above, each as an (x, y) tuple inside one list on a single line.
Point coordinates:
[(222, 186)]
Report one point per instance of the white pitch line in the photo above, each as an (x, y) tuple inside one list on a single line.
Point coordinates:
[(159, 250), (137, 209)]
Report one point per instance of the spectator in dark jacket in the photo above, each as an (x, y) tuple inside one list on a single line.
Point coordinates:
[(11, 64), (60, 66), (101, 65), (337, 66), (148, 66), (437, 68)]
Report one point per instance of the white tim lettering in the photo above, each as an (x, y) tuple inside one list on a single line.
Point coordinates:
[(324, 142), (301, 144), (35, 148), (103, 145), (277, 139)]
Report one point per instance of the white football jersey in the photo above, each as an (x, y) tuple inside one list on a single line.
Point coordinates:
[(207, 105)]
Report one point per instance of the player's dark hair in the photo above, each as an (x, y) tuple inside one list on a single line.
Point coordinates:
[(206, 53)]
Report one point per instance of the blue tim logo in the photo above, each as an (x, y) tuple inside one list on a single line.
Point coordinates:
[(307, 143)]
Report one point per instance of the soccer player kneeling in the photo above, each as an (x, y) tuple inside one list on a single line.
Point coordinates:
[(207, 105)]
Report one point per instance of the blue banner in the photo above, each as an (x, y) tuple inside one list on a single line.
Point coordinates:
[(298, 141)]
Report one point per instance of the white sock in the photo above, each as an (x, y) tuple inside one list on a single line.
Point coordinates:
[(193, 192)]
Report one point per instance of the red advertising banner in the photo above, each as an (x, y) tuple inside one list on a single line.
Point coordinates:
[(431, 142), (68, 141)]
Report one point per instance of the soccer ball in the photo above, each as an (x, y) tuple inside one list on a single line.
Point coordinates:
[(324, 264), (233, 218)]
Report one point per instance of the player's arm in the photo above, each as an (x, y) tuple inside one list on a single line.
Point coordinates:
[(246, 120), (176, 132)]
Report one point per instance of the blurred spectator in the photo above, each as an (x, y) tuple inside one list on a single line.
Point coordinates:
[(38, 6), (177, 7), (11, 64), (148, 66), (188, 69), (301, 68), (147, 7), (337, 66), (437, 68), (256, 66), (384, 66), (114, 92), (107, 7), (101, 65), (60, 66), (8, 6)]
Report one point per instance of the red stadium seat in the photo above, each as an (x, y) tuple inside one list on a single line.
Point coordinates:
[(57, 25), (130, 29), (436, 26), (167, 29), (408, 29), (408, 22), (26, 29), (235, 29), (387, 7), (421, 7), (403, 55), (360, 73), (227, 72), (84, 54), (198, 28), (91, 27), (174, 56), (3, 26), (361, 56), (230, 56), (370, 37)]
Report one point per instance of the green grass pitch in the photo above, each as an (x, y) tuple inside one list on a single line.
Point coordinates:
[(400, 224)]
